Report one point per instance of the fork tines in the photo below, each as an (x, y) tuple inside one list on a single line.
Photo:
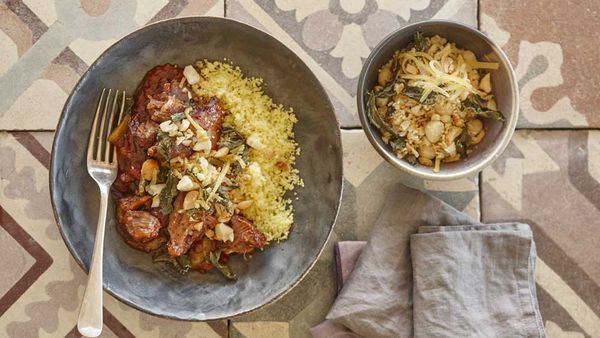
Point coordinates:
[(99, 148)]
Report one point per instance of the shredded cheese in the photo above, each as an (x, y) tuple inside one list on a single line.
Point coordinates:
[(434, 76)]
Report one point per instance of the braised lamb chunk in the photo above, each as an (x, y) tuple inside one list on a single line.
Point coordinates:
[(171, 100), (153, 84), (141, 226), (199, 254), (148, 246), (185, 227), (246, 237), (209, 115), (129, 203), (144, 134)]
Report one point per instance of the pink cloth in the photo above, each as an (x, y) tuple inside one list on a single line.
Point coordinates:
[(346, 253)]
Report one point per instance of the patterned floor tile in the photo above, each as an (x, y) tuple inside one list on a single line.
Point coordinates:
[(40, 292), (45, 46), (334, 37), (551, 180), (368, 180), (556, 63)]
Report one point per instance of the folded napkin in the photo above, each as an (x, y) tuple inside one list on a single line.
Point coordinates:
[(415, 278)]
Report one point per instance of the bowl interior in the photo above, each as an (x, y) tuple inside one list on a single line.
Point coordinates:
[(129, 274), (503, 88)]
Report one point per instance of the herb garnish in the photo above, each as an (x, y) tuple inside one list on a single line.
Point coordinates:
[(168, 193), (214, 257), (181, 263)]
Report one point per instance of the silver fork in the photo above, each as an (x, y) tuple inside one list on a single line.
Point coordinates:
[(102, 166)]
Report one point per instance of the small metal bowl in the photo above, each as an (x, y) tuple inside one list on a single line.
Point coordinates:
[(504, 87)]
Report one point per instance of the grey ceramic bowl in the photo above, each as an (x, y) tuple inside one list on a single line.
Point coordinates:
[(129, 275), (504, 88)]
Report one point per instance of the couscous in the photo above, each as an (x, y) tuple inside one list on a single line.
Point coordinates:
[(205, 160)]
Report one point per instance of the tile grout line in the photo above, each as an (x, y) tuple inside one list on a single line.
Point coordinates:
[(341, 128), (480, 191)]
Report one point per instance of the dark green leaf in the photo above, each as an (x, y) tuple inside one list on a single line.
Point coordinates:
[(415, 93), (177, 117), (167, 194), (386, 91), (411, 159), (397, 144), (462, 143), (163, 174), (230, 138), (184, 262), (375, 118), (164, 145), (478, 107), (181, 264), (492, 114), (128, 103), (418, 43), (395, 67), (214, 257)]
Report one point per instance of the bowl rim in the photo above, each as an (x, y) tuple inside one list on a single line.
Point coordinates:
[(59, 131), (372, 133)]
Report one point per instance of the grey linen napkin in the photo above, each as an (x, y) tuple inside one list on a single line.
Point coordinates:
[(416, 278)]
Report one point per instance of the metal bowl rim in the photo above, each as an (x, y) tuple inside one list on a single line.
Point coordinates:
[(498, 146)]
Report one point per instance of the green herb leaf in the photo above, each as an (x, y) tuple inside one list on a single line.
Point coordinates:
[(214, 257), (375, 118), (418, 43), (478, 106), (387, 91), (492, 114), (415, 93), (180, 264), (230, 138), (167, 194), (128, 103), (462, 143), (411, 159), (164, 145), (177, 117), (163, 174), (397, 144)]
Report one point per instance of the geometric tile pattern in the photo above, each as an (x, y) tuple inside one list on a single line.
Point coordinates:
[(551, 180), (334, 37), (549, 44), (547, 178)]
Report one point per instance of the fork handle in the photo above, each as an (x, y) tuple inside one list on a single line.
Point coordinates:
[(89, 323)]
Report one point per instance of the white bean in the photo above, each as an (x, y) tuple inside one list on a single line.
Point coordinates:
[(452, 134), (426, 151), (385, 75), (434, 130), (477, 138), (474, 127), (485, 84), (381, 101), (425, 161)]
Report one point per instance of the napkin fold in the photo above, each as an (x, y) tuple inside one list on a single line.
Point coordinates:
[(429, 270)]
